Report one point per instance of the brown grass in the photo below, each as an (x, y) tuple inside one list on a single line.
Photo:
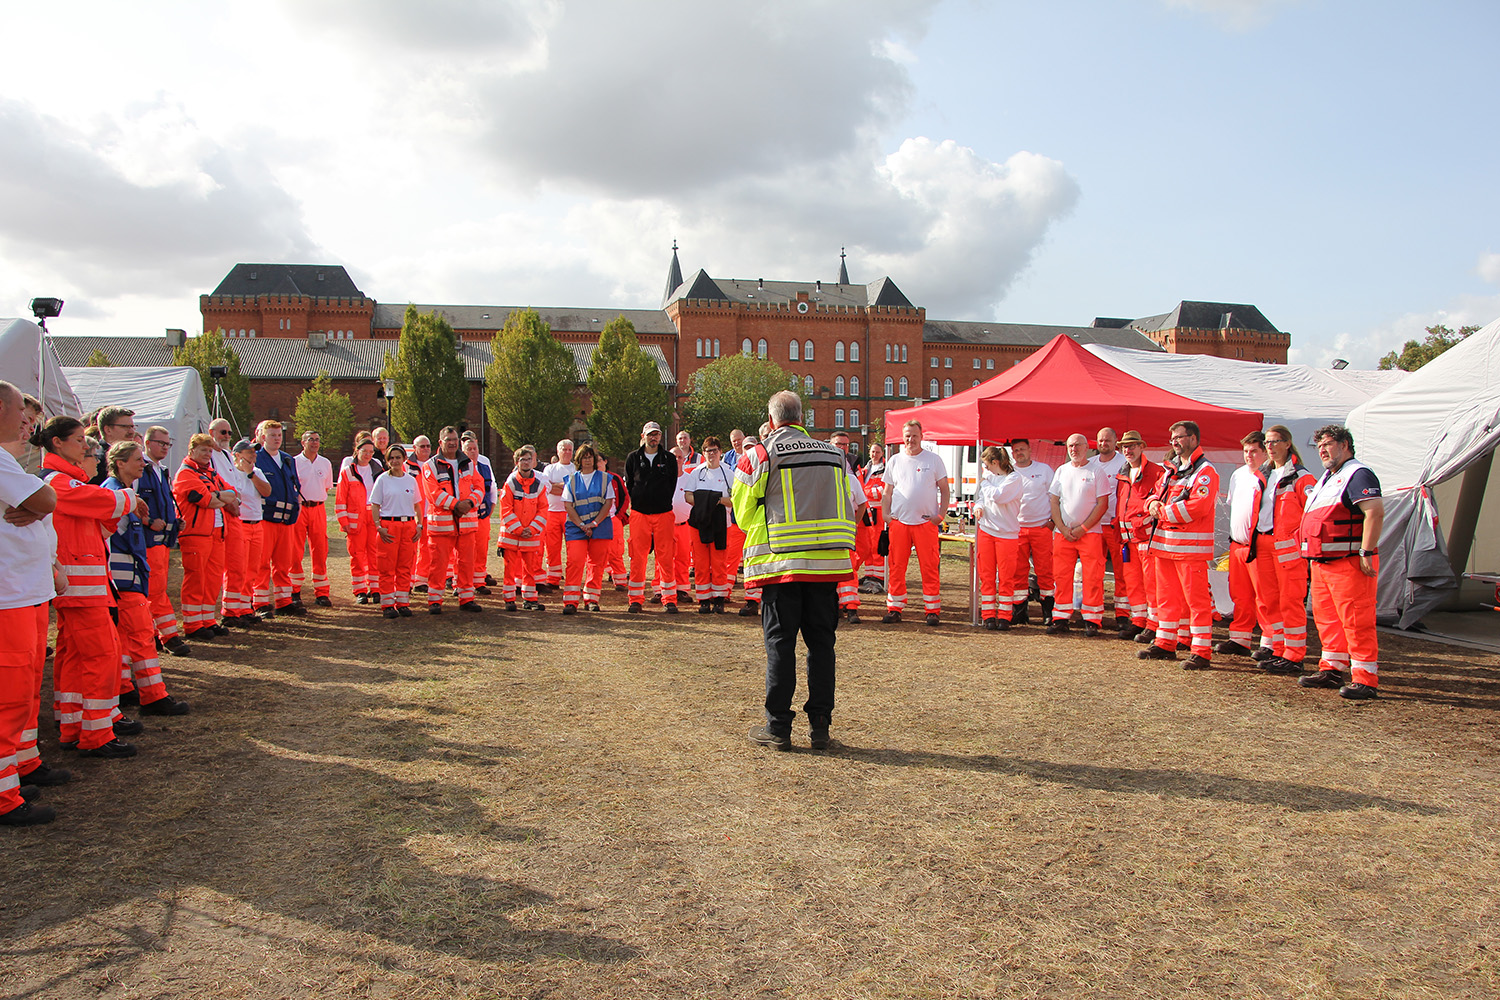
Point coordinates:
[(538, 806)]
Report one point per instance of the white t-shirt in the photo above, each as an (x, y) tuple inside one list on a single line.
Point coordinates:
[(913, 482), (252, 504), (1036, 507), (680, 507), (1267, 520), (26, 553), (396, 495), (1244, 512), (998, 504), (1112, 468), (315, 477), (366, 473), (588, 481), (720, 480), (1078, 488), (557, 474), (221, 461)]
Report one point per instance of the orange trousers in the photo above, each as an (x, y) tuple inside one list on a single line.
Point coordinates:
[(482, 551), (711, 578), (363, 543), (1114, 546), (521, 572), (867, 557), (202, 580), (86, 676), (23, 652), (424, 559), (396, 559), (236, 597), (586, 559), (1131, 583), (139, 666), (924, 537), (1291, 585), (996, 558), (1067, 554), (1034, 549), (552, 541), (1184, 595), (446, 548), (648, 532), (274, 573), (683, 540), (310, 530), (159, 560), (1256, 593), (1343, 604), (240, 577)]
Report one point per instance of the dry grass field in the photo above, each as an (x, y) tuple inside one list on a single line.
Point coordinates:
[(527, 805)]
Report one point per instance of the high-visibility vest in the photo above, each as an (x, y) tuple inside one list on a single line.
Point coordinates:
[(442, 491), (351, 500), (792, 500), (1292, 491), (1330, 529), (283, 505), (83, 516), (1130, 500), (523, 504), (1185, 529), (588, 500)]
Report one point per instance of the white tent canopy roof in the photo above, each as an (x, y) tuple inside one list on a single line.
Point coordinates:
[(171, 397), (20, 365)]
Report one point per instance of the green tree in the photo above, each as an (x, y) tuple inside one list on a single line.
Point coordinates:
[(732, 392), (531, 386), (99, 360), (625, 388), (431, 391), (324, 409), (1414, 354), (209, 350)]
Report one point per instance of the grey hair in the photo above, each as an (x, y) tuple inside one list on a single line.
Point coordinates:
[(785, 408)]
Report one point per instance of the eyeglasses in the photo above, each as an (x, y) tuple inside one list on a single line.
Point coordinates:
[(222, 434), (1274, 441), (123, 427), (164, 444)]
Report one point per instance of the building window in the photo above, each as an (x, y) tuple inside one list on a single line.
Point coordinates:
[(791, 351), (854, 385), (853, 418), (838, 418), (932, 389), (716, 347), (252, 331), (700, 347), (975, 384), (812, 421), (947, 387), (761, 348), (976, 362), (903, 354), (838, 350), (838, 386), (793, 385), (989, 363), (853, 350), (807, 384), (903, 393), (947, 362), (887, 353), (745, 346), (807, 351), (934, 362), (890, 386)]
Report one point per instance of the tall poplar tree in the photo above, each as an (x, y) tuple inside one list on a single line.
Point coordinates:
[(531, 386), (625, 388), (431, 391)]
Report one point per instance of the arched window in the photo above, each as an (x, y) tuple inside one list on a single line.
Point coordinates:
[(903, 393), (853, 350), (807, 351), (791, 351), (716, 347), (700, 347), (890, 386), (838, 386), (761, 348), (989, 363), (903, 353), (745, 346), (838, 350), (793, 385), (838, 418), (854, 385), (887, 352), (807, 384), (252, 331), (932, 389), (947, 387), (976, 362), (853, 418), (975, 384)]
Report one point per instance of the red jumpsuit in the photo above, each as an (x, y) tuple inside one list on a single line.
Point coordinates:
[(351, 505), (201, 541), (1136, 487), (1292, 491), (445, 483), (1182, 547), (523, 504), (867, 557)]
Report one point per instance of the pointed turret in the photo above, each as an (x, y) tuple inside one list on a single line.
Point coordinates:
[(674, 276), (843, 271)]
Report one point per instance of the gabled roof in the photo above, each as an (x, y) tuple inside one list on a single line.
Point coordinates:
[(701, 287), (1207, 316), (1030, 334), (760, 291), (564, 319), (883, 292), (674, 277), (322, 281)]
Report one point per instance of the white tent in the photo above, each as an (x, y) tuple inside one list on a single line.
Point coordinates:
[(1443, 420), (21, 357), (1302, 397), (171, 397)]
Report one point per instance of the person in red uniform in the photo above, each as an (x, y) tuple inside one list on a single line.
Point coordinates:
[(588, 498), (1137, 485), (555, 475), (393, 511), (867, 538), (523, 523), (1288, 485), (86, 668), (1182, 545), (1340, 539), (913, 507), (452, 488), (421, 451), (1080, 493), (651, 479), (202, 498), (351, 505), (617, 571), (155, 487)]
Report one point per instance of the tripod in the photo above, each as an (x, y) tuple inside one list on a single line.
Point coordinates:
[(221, 406)]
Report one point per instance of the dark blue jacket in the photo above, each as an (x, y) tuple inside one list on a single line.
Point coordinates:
[(285, 500), (485, 507), (156, 490), (129, 569)]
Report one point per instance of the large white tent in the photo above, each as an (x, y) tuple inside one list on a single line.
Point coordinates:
[(1431, 440), (171, 397), (1302, 397), (21, 364)]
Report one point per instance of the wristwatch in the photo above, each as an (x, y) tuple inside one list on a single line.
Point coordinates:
[(1369, 552)]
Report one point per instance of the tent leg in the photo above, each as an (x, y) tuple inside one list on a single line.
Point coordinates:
[(1466, 514)]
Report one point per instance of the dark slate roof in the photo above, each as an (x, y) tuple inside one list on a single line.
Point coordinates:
[(885, 293), (758, 291), (843, 271), (1207, 316), (566, 319), (674, 276), (123, 352), (1109, 323), (1030, 335), (325, 281), (701, 287)]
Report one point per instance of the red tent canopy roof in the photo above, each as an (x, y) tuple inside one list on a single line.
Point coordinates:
[(1063, 389)]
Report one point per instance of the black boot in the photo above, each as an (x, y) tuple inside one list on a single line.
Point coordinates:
[(1047, 603), (1020, 615)]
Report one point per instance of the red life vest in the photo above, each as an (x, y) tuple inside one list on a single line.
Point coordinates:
[(523, 504), (1330, 528)]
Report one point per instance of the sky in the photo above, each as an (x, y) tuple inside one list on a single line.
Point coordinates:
[(1331, 161)]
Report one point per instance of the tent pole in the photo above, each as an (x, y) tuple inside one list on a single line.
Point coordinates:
[(1466, 513)]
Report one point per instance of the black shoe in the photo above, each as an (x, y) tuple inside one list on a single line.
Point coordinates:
[(1262, 654), (29, 793), (763, 736), (115, 749), (570, 609), (489, 581), (655, 599), (1129, 631), (1057, 625), (533, 605), (672, 608), (818, 739), (705, 607), (420, 588), (266, 614), (683, 597), (851, 616), (482, 589), (296, 597), (131, 697), (323, 601), (361, 599), (750, 610), (470, 606), (635, 608), (992, 624), (1280, 665), (177, 647), (295, 609), (591, 605), (1358, 692), (931, 619), (1146, 636), (1090, 629), (27, 814), (45, 776), (1231, 648), (510, 605), (240, 621), (1322, 679), (434, 609), (1155, 652), (718, 605), (128, 727), (165, 706), (1196, 662), (217, 629), (1001, 624), (890, 618), (1020, 614), (1047, 603), (389, 612)]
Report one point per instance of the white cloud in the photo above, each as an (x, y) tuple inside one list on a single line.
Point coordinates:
[(1238, 15), (1489, 267), (1365, 348)]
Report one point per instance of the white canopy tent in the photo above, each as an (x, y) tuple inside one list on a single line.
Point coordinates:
[(1443, 420), (171, 397), (21, 364)]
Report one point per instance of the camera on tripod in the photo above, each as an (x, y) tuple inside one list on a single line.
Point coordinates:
[(217, 372)]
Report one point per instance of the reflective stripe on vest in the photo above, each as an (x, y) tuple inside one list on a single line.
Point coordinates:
[(807, 503), (1329, 529)]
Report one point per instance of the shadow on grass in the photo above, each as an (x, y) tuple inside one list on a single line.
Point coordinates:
[(1167, 782)]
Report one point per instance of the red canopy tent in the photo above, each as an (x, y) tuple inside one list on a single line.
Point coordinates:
[(1063, 389)]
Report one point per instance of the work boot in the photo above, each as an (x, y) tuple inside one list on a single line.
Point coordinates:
[(750, 610), (1058, 625), (1322, 679), (818, 739), (115, 749), (1358, 692), (634, 609), (1280, 665), (510, 605), (533, 606), (420, 588), (27, 814), (323, 601), (851, 616), (470, 606), (1129, 631), (931, 619), (570, 609), (672, 608), (389, 612), (128, 727), (1196, 662), (1146, 636), (1047, 603), (45, 777), (1021, 614), (705, 607), (131, 697), (992, 624), (891, 617), (718, 605), (1155, 652), (434, 609), (165, 706), (763, 736), (1262, 654), (1230, 647), (404, 610), (177, 647), (482, 589)]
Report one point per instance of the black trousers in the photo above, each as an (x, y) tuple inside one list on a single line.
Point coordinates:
[(785, 610)]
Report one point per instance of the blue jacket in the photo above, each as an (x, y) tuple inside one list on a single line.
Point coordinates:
[(486, 508), (285, 500), (129, 569), (154, 488)]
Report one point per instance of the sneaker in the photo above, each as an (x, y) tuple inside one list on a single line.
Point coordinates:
[(1358, 692), (1090, 629), (890, 617), (131, 697), (404, 611), (1196, 662), (1155, 652), (672, 608), (177, 647), (570, 609), (323, 601), (852, 616), (533, 605), (115, 749), (635, 608), (128, 727), (165, 706), (470, 606), (510, 605), (1231, 648), (763, 736), (818, 739), (389, 612), (434, 609), (45, 776), (705, 607), (1146, 636), (1322, 679), (1057, 625), (1262, 654), (750, 610), (1280, 665), (27, 814), (931, 619)]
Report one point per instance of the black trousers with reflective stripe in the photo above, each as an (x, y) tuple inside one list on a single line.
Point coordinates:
[(785, 610)]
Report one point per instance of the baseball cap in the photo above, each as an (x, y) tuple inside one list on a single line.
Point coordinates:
[(651, 425)]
